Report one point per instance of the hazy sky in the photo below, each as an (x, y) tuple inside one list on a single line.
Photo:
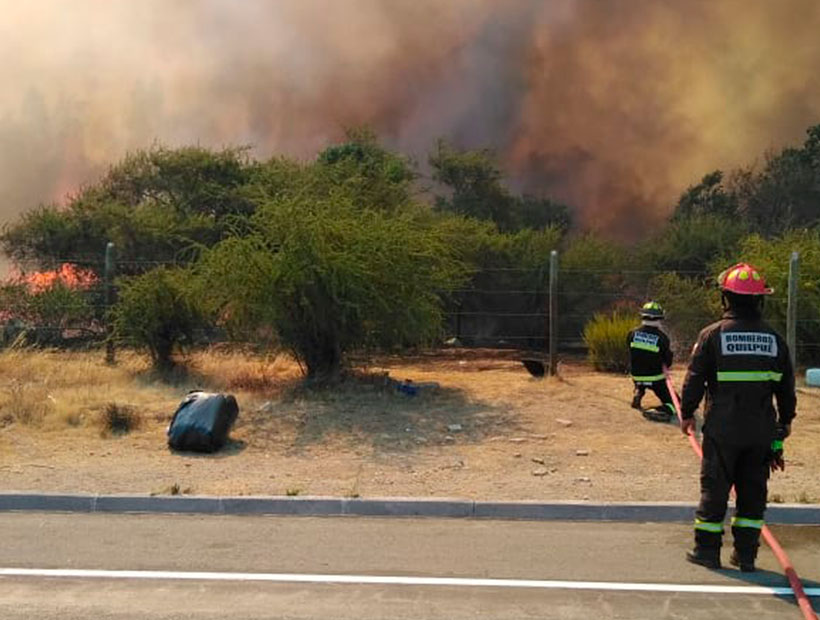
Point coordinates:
[(614, 106)]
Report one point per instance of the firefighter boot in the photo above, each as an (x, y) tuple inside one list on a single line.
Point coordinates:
[(707, 549), (657, 414), (704, 558), (747, 540), (746, 564), (637, 397)]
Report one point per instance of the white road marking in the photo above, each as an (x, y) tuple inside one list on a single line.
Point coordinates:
[(402, 581)]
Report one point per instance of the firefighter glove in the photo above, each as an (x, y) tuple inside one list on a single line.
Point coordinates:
[(776, 460)]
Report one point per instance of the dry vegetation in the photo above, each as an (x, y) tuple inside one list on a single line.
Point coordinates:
[(68, 422)]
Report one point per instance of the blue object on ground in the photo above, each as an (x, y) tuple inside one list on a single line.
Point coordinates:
[(407, 388)]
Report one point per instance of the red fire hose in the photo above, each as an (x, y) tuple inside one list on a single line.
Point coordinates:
[(791, 574)]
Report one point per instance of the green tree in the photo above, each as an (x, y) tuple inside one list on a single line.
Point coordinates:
[(329, 276), (692, 243), (785, 194), (378, 177), (153, 205), (708, 198), (477, 190), (539, 213), (475, 183)]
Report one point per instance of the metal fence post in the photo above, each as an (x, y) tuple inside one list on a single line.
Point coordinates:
[(791, 312), (109, 301), (553, 314)]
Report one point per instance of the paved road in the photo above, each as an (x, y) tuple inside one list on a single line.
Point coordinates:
[(577, 552)]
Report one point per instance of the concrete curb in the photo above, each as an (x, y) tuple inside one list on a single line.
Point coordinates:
[(784, 514)]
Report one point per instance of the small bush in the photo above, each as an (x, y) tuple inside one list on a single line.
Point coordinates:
[(605, 336), (157, 311), (118, 420)]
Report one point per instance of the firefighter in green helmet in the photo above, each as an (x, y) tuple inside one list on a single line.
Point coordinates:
[(649, 352), (742, 365)]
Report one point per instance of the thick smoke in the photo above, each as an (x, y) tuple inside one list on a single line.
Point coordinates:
[(611, 106)]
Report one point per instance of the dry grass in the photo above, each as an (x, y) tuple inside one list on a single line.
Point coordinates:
[(490, 431), (58, 389), (238, 371)]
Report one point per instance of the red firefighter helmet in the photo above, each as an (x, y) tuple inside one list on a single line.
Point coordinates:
[(743, 279)]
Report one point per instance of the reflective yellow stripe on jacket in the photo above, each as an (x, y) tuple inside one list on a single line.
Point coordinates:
[(748, 375), (645, 347), (651, 378)]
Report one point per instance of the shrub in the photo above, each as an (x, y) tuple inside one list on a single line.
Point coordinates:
[(157, 312), (605, 336), (118, 420), (43, 305)]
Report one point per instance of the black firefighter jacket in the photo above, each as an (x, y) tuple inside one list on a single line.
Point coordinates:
[(741, 363), (649, 352)]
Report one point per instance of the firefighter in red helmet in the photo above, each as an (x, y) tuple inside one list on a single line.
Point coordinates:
[(741, 364)]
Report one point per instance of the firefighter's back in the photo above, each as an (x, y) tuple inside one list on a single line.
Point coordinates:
[(748, 365)]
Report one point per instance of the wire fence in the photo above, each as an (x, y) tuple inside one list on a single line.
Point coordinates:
[(501, 307)]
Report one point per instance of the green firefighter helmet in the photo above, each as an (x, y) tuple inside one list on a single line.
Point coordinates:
[(652, 310)]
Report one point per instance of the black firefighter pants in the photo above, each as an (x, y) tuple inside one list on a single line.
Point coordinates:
[(724, 465), (661, 391)]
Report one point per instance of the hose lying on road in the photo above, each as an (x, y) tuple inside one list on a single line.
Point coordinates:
[(794, 581)]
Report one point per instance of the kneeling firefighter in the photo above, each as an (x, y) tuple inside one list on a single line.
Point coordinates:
[(741, 364), (649, 352)]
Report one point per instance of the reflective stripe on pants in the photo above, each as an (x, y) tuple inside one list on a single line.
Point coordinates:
[(716, 527), (756, 524)]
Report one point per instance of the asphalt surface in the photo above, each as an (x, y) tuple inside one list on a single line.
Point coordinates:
[(621, 553)]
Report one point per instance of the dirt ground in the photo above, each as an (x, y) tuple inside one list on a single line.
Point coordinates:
[(490, 431)]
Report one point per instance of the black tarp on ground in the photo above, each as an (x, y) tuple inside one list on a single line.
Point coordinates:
[(202, 422)]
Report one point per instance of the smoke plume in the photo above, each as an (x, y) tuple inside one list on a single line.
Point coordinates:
[(613, 107)]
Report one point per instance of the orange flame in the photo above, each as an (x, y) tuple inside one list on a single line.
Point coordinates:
[(67, 275)]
